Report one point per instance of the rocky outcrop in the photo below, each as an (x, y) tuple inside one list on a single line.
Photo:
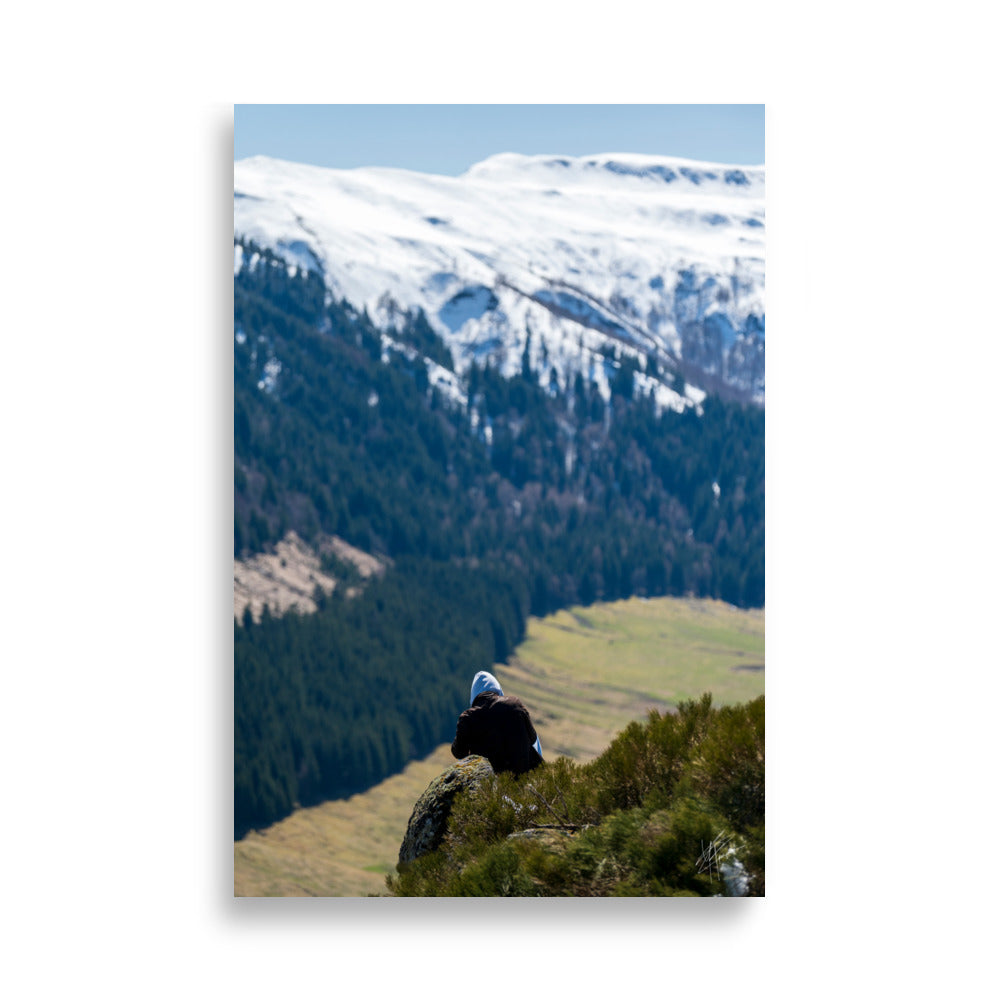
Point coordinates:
[(429, 818)]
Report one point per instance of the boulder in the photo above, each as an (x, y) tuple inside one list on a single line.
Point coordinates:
[(430, 815)]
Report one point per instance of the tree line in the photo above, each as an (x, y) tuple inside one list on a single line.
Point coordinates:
[(328, 704)]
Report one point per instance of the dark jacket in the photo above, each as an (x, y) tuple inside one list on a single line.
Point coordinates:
[(498, 728)]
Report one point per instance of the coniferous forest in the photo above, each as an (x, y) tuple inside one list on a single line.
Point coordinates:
[(532, 497)]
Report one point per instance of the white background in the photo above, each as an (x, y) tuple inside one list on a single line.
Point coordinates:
[(882, 538)]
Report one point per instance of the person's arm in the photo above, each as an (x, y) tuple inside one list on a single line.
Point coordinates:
[(460, 746), (536, 746), (526, 716)]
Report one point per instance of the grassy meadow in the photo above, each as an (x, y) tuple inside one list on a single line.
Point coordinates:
[(584, 674)]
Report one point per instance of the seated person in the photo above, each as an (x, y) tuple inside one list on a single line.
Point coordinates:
[(498, 727)]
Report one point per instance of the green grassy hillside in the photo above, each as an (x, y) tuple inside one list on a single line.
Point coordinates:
[(584, 674)]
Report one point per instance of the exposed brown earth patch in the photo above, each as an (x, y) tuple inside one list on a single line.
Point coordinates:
[(287, 578)]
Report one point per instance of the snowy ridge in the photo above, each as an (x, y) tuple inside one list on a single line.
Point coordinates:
[(610, 169), (661, 258)]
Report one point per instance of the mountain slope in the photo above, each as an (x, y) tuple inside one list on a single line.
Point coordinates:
[(492, 487), (340, 430), (556, 259)]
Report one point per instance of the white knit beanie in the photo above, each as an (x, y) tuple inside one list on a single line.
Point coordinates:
[(484, 681)]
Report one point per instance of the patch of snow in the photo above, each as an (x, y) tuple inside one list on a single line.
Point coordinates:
[(696, 395), (664, 398), (272, 369), (446, 382)]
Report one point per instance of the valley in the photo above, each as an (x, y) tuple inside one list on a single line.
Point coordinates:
[(584, 673)]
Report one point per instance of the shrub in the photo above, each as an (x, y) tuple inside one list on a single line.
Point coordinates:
[(657, 814), (729, 764), (498, 873)]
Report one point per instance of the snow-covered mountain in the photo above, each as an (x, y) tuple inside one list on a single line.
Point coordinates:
[(573, 258)]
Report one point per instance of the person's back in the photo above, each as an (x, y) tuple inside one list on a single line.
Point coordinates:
[(497, 727)]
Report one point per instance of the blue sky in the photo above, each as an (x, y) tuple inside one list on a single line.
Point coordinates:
[(449, 138)]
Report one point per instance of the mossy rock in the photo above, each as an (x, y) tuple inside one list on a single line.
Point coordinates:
[(429, 818)]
